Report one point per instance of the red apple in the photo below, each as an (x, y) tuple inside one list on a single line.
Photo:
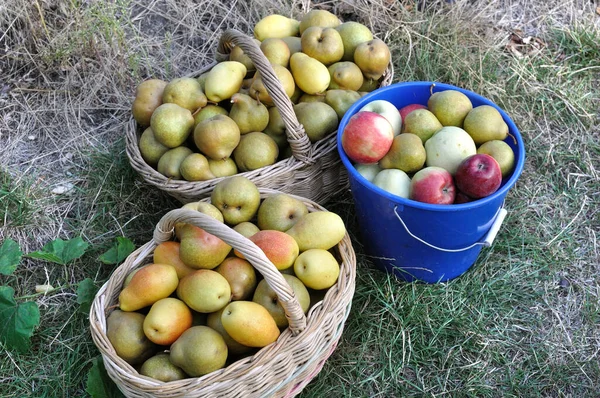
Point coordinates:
[(405, 110), (462, 197), (478, 176), (367, 137), (433, 185)]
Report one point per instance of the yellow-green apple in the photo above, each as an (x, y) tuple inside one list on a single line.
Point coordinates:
[(388, 111), (318, 230), (204, 291), (478, 176), (323, 44), (167, 319), (448, 147), (405, 110), (168, 253), (503, 154), (317, 269), (279, 247), (241, 277), (249, 323), (237, 198), (199, 351), (147, 286), (432, 185), (280, 212), (394, 181), (200, 249), (367, 137), (369, 171), (267, 297)]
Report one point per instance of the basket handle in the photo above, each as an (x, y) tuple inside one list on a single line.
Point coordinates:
[(296, 135), (164, 232)]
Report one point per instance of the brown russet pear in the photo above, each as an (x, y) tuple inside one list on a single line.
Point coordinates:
[(185, 92), (159, 367), (276, 26), (323, 44), (241, 277), (223, 167), (150, 149), (310, 75), (204, 291), (200, 249), (316, 17), (148, 97), (484, 123), (276, 51), (125, 331), (318, 230), (373, 58), (353, 33), (167, 319), (171, 124), (345, 75), (450, 107), (224, 80), (213, 320), (168, 253), (255, 150), (280, 212), (195, 168), (248, 113), (421, 122), (267, 297), (407, 153), (147, 286), (249, 323), (217, 137), (170, 162), (259, 91), (318, 118), (209, 111), (198, 351), (341, 100), (294, 44)]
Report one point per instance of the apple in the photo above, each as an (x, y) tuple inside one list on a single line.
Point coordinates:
[(405, 110), (461, 197), (394, 181), (448, 147), (388, 111), (432, 185), (369, 171), (367, 137), (478, 176)]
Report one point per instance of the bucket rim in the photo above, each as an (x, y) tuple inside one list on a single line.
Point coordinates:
[(500, 193)]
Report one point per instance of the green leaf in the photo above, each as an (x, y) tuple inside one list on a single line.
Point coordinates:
[(119, 252), (86, 291), (17, 321), (99, 384), (60, 251), (10, 256)]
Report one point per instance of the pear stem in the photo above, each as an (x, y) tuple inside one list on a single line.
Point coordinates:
[(513, 137)]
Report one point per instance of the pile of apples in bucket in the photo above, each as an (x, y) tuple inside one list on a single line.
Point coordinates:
[(447, 152)]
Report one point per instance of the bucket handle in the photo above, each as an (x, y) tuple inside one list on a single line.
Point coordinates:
[(486, 242)]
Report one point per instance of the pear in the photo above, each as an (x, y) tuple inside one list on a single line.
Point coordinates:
[(150, 149), (368, 86), (276, 127), (294, 44), (484, 123), (199, 351), (167, 319), (323, 44), (168, 253), (259, 91), (169, 164), (310, 75), (204, 291), (503, 154), (280, 212), (183, 229), (222, 167), (224, 80), (249, 323), (276, 26), (248, 113), (276, 51), (368, 170), (217, 137), (171, 124), (202, 250), (450, 107), (246, 228), (185, 92), (267, 297), (318, 230), (422, 123), (241, 277), (407, 153), (341, 100), (322, 18), (159, 367), (237, 54), (318, 118), (147, 286), (209, 111), (372, 57), (353, 34), (195, 168), (202, 80), (237, 198), (296, 95), (125, 331), (311, 98), (148, 97), (213, 320), (255, 150), (345, 76)]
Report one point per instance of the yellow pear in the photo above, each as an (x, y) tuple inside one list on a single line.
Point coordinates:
[(217, 137), (237, 54), (199, 249), (294, 44), (150, 149), (276, 26), (276, 51), (204, 291), (237, 198), (323, 44), (255, 150), (147, 286), (224, 80), (484, 123), (213, 320), (345, 76), (450, 107), (318, 118), (167, 319), (159, 367), (249, 323), (195, 168), (311, 98), (171, 124), (222, 167), (341, 100), (372, 57), (169, 164), (322, 18), (246, 228), (407, 153), (310, 75), (248, 113), (185, 92), (503, 154), (199, 351), (259, 91), (318, 230), (168, 253), (148, 97), (209, 111), (421, 122), (353, 33), (280, 212), (317, 269), (125, 331), (267, 297)]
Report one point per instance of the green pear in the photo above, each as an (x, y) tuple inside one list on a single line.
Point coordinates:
[(248, 113), (171, 124), (373, 58), (280, 212), (148, 97), (318, 118), (368, 171), (341, 100), (450, 107), (255, 150), (422, 123), (500, 151), (323, 44), (209, 111), (249, 323), (204, 291), (368, 86), (237, 198), (237, 54), (185, 92), (169, 164), (217, 137), (276, 51), (213, 320), (310, 75), (267, 297), (200, 350), (318, 230), (125, 331), (224, 80), (159, 367), (183, 229), (150, 149), (246, 228), (407, 153), (345, 76), (315, 17), (484, 123), (294, 44), (276, 127), (311, 98), (259, 91), (202, 80), (147, 286), (353, 34), (195, 168), (276, 26), (222, 167)]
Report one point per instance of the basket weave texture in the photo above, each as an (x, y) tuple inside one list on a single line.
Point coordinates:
[(281, 369), (314, 171)]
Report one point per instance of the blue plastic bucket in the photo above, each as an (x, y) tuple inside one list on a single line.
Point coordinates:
[(420, 241)]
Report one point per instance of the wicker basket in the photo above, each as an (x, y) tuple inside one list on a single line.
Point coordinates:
[(281, 369), (314, 170)]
